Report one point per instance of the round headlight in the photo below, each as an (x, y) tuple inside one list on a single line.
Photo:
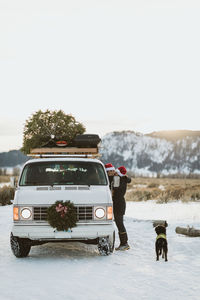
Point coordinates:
[(26, 213), (100, 213)]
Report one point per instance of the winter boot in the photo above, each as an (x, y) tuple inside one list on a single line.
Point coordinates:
[(123, 241)]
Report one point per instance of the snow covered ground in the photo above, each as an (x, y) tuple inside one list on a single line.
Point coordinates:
[(2, 184), (76, 271)]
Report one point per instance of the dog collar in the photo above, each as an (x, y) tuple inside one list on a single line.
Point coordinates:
[(162, 235)]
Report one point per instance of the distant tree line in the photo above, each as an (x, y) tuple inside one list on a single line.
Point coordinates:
[(3, 172), (15, 172), (159, 175)]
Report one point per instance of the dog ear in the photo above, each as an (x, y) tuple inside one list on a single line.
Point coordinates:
[(166, 224)]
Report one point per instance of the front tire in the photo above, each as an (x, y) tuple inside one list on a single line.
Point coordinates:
[(106, 245), (20, 247)]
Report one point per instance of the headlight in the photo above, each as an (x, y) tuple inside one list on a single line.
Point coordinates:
[(100, 212), (26, 213)]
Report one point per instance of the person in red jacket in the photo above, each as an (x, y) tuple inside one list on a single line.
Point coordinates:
[(119, 207)]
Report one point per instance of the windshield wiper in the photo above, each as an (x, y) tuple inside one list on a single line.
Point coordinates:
[(37, 183)]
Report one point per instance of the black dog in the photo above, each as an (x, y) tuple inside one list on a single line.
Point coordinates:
[(161, 241)]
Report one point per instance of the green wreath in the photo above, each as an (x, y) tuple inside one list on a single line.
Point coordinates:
[(62, 215)]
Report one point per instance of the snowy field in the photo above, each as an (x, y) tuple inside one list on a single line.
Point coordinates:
[(4, 184), (76, 271)]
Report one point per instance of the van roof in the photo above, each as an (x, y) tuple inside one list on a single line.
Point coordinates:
[(52, 159)]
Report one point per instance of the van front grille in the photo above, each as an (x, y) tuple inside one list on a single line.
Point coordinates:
[(40, 213), (84, 213)]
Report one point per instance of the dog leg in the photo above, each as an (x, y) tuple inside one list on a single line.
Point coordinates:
[(165, 251), (157, 254), (166, 256)]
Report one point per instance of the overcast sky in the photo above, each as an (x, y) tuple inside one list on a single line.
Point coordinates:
[(112, 64)]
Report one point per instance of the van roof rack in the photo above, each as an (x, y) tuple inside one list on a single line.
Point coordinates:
[(64, 155), (64, 152)]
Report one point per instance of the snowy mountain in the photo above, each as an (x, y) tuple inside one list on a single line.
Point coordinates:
[(164, 152), (12, 158), (153, 153)]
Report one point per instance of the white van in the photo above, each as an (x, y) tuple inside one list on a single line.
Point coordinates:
[(42, 182)]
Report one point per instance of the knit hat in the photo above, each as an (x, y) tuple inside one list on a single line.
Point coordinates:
[(121, 171), (109, 167)]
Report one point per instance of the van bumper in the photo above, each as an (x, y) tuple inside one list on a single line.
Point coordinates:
[(47, 233)]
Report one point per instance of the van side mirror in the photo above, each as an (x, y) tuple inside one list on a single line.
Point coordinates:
[(116, 181)]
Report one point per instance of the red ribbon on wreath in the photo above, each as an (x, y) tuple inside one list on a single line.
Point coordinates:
[(61, 209)]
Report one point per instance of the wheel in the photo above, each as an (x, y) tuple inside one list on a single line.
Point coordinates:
[(106, 245), (19, 247)]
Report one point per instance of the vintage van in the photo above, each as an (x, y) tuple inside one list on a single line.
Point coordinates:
[(42, 182)]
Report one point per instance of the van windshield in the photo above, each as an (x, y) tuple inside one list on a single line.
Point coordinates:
[(63, 173)]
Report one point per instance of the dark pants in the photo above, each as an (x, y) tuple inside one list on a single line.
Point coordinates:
[(119, 220)]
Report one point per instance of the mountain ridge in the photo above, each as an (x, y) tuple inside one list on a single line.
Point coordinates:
[(174, 134), (162, 152), (144, 154)]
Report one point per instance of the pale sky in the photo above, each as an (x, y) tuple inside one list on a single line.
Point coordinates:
[(112, 64)]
